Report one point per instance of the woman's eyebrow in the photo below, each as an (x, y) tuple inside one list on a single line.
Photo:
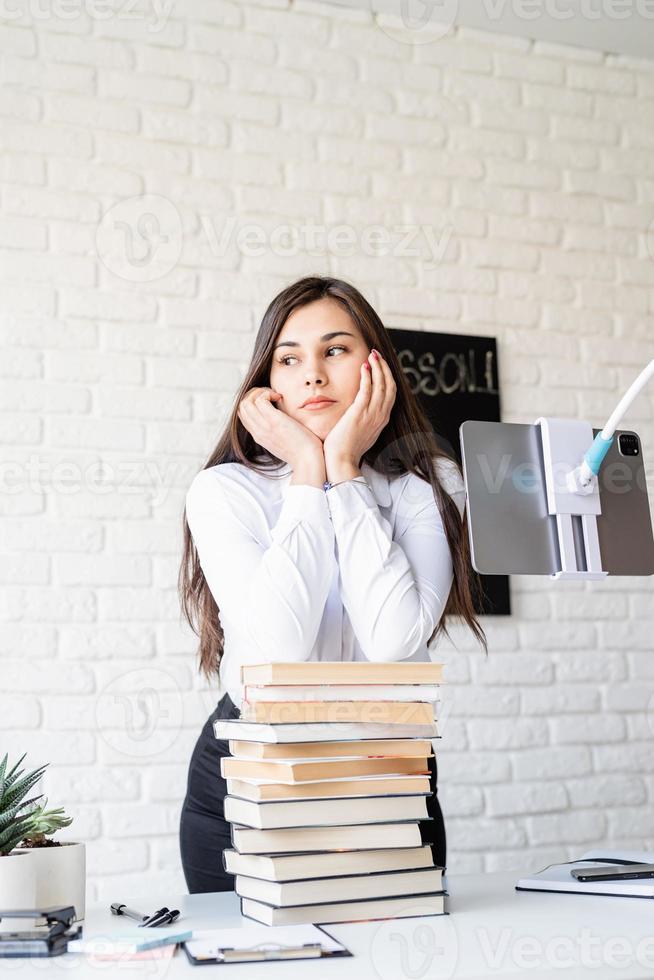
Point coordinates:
[(325, 336)]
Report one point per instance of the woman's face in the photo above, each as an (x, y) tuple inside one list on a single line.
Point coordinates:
[(307, 363)]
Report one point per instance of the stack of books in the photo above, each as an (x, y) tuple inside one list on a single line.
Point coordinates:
[(327, 786)]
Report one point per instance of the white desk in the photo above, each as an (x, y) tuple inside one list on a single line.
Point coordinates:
[(492, 931)]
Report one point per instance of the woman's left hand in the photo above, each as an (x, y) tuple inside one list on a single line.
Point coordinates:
[(360, 425)]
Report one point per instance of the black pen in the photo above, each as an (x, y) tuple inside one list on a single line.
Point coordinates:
[(160, 917), (163, 916)]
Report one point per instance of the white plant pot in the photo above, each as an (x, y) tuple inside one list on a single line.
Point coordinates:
[(17, 889), (60, 875)]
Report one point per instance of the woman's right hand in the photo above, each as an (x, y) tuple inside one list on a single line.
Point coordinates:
[(281, 435)]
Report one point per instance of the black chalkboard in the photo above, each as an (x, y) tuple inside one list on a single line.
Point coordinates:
[(455, 378)]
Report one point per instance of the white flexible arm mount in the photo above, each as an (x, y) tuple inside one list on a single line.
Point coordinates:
[(594, 456)]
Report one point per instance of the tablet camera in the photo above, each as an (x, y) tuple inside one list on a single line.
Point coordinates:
[(628, 444)]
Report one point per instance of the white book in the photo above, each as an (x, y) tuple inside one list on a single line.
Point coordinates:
[(557, 877), (358, 837), (383, 908), (317, 731), (342, 692), (348, 888), (291, 760), (290, 867), (323, 813)]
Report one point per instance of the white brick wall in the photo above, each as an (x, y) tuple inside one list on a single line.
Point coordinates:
[(527, 174)]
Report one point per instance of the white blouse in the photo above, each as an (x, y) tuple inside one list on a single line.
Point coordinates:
[(299, 573)]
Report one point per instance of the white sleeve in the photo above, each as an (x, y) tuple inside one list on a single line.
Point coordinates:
[(275, 595), (394, 590)]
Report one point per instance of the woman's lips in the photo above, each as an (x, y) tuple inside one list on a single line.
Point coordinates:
[(314, 406)]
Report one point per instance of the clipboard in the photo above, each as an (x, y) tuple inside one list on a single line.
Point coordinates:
[(260, 944)]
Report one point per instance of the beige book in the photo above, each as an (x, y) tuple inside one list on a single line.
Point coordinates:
[(305, 712), (340, 672), (329, 788), (289, 867), (297, 772), (342, 692), (363, 748)]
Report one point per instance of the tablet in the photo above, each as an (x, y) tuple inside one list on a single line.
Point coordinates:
[(509, 527)]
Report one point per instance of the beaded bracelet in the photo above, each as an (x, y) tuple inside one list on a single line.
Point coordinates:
[(355, 479)]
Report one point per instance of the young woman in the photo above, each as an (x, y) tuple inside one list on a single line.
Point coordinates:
[(317, 530)]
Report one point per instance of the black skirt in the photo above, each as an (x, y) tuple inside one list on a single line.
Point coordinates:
[(204, 833)]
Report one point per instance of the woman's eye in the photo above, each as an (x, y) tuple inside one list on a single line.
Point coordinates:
[(283, 360)]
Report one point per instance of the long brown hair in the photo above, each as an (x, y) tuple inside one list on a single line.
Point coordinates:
[(407, 443)]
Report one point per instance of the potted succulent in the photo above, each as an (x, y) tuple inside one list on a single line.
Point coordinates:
[(17, 871), (59, 867)]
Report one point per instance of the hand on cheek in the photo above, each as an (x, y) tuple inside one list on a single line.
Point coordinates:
[(360, 425)]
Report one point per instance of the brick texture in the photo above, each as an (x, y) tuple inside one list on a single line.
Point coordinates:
[(163, 175)]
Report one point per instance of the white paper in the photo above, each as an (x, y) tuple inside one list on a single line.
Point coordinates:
[(207, 942)]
